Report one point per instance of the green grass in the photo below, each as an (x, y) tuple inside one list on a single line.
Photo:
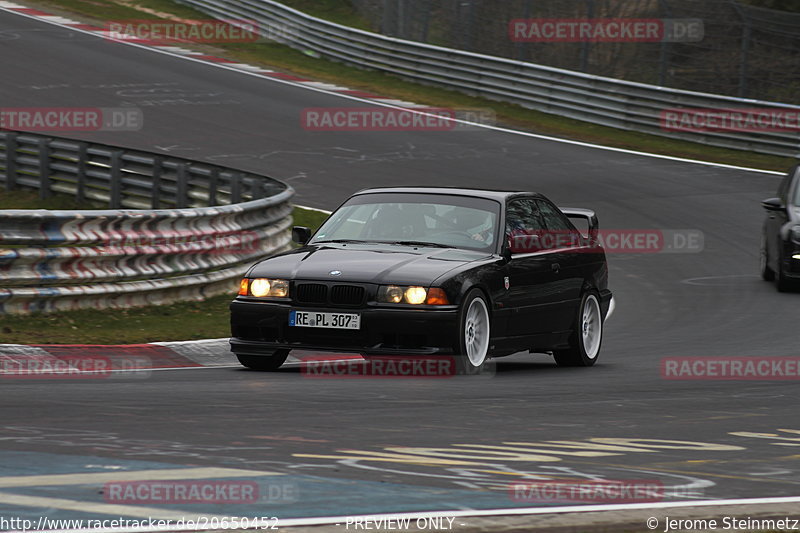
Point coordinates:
[(281, 57), (341, 12), (27, 199), (179, 321)]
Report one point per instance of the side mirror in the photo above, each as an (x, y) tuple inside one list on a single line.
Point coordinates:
[(773, 204), (301, 234), (506, 250)]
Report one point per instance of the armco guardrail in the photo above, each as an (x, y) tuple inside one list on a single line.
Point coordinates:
[(599, 100), (190, 230)]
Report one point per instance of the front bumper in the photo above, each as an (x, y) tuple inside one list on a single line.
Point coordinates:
[(791, 266), (259, 328), (607, 304)]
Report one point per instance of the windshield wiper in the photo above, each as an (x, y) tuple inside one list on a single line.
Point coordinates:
[(337, 241), (421, 243)]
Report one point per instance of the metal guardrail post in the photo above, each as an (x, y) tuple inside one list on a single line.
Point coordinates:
[(11, 161), (213, 183), (80, 191), (45, 185), (157, 172), (236, 189), (181, 186), (115, 189)]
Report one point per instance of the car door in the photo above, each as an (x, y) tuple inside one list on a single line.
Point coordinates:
[(571, 267), (531, 275)]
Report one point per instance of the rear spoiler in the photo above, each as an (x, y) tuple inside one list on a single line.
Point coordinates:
[(584, 214)]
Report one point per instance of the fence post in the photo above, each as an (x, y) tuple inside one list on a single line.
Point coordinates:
[(44, 169), (423, 34), (744, 49), (663, 55), (522, 47), (115, 193), (586, 46)]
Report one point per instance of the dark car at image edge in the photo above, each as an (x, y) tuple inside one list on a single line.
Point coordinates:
[(780, 234), (423, 271)]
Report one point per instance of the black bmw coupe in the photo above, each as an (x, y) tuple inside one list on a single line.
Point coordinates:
[(419, 271)]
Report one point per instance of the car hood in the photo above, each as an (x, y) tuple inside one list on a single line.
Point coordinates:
[(366, 263)]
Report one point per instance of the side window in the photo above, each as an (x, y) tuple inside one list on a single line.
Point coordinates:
[(524, 225), (554, 219)]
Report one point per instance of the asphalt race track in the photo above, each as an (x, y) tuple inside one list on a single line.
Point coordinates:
[(360, 446)]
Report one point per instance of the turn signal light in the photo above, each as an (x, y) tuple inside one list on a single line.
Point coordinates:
[(436, 296), (244, 285)]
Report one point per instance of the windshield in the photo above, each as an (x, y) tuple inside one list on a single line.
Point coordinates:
[(414, 219)]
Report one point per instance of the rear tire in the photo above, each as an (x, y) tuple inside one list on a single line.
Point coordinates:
[(264, 363), (474, 333), (586, 337)]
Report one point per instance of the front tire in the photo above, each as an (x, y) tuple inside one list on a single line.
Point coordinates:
[(782, 282), (586, 337), (474, 334), (264, 363), (767, 274)]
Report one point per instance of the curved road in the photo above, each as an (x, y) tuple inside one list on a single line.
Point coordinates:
[(331, 439)]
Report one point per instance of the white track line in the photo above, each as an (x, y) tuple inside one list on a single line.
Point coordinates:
[(167, 474), (333, 520), (383, 104)]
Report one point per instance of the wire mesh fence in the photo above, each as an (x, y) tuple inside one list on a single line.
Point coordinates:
[(744, 51)]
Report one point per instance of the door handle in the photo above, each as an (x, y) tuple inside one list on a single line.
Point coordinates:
[(555, 267)]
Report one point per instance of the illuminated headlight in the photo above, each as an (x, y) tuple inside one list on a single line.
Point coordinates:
[(264, 288), (416, 295), (411, 295)]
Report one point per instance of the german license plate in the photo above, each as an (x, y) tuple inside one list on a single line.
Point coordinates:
[(314, 319)]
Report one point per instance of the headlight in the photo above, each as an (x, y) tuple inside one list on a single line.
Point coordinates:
[(411, 295), (390, 294), (416, 295), (264, 288)]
